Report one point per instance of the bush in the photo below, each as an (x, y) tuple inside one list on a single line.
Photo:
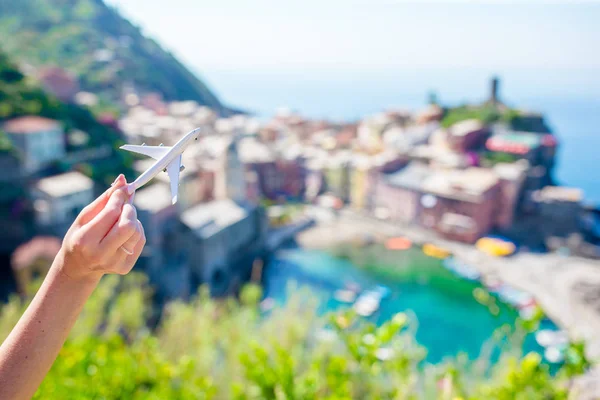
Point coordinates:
[(225, 349)]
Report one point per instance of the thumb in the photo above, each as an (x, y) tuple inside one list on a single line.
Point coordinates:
[(89, 212), (101, 224)]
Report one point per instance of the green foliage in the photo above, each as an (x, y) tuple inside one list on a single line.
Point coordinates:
[(486, 114), (225, 349), (93, 41), (491, 158)]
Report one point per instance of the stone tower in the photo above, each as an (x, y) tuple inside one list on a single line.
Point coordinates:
[(494, 90), (234, 173)]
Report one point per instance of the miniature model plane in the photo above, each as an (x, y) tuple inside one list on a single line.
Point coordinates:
[(168, 159)]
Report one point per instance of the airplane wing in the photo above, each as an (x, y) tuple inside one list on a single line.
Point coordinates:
[(173, 171), (155, 152)]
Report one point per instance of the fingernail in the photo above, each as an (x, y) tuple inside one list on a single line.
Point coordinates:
[(116, 180), (130, 189), (131, 198)]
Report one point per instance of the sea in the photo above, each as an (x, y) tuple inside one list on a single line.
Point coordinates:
[(445, 317), (569, 99)]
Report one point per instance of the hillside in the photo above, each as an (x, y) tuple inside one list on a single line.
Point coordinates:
[(22, 96), (105, 51)]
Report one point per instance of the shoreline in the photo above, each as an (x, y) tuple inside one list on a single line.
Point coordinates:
[(552, 279)]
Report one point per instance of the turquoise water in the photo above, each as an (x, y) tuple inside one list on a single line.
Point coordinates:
[(449, 321)]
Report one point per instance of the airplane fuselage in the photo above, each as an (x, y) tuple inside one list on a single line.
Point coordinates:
[(162, 163)]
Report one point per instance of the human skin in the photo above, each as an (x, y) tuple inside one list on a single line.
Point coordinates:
[(97, 243)]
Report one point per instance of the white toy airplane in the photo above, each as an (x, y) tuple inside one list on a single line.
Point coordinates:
[(168, 159)]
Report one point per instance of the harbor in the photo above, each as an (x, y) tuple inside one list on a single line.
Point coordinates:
[(561, 285)]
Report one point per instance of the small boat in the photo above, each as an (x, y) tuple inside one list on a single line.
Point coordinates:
[(432, 250), (398, 243), (370, 300), (461, 269), (515, 297), (495, 246), (554, 355), (344, 296), (365, 307), (549, 338), (492, 283), (527, 313)]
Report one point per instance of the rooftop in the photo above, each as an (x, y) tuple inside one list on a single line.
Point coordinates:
[(514, 142), (254, 151), (64, 184), (512, 171), (460, 184), (463, 128), (411, 177), (29, 124), (207, 219), (559, 193), (153, 198)]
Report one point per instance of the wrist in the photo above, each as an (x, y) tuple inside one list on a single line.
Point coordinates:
[(66, 269)]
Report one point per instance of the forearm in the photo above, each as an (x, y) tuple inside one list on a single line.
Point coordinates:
[(33, 345)]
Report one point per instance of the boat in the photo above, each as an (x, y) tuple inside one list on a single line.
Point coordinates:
[(432, 250), (369, 301), (398, 243), (550, 338), (366, 306), (344, 296), (495, 246), (492, 283), (462, 269), (528, 312), (554, 355), (515, 297)]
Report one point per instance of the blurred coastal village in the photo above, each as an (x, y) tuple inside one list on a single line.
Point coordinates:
[(472, 184), (461, 180)]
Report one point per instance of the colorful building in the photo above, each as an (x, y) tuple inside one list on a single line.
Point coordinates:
[(460, 204), (467, 135), (39, 140), (219, 234), (59, 199)]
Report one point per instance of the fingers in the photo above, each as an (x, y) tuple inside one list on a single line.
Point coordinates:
[(130, 260), (91, 210), (101, 224), (129, 246), (125, 231), (125, 262)]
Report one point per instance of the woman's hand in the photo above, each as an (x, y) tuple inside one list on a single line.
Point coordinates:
[(106, 236)]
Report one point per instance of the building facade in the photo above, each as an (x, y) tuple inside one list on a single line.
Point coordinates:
[(39, 140), (59, 199)]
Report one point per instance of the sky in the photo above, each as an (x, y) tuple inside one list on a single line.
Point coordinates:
[(343, 59), (371, 35)]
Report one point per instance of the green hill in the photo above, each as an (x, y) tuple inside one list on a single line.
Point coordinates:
[(105, 51)]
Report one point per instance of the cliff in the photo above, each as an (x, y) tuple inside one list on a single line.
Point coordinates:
[(104, 51)]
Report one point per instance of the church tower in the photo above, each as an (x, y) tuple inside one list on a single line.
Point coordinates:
[(235, 182)]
